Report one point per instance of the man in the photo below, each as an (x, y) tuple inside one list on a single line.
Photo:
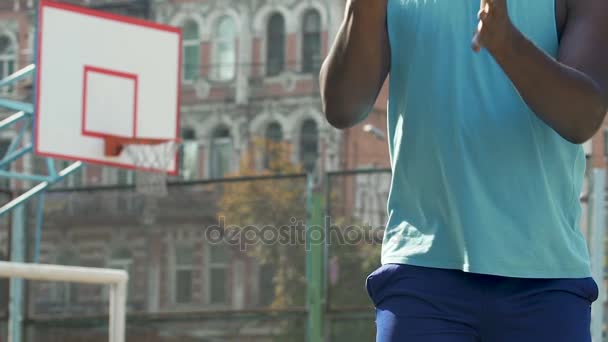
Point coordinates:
[(482, 241)]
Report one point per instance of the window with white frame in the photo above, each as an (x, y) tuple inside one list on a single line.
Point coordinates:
[(275, 45), (266, 284), (311, 41), (124, 177), (273, 136), (309, 145), (221, 152), (188, 154), (7, 60), (191, 51), (224, 50), (218, 268), (184, 273), (122, 259)]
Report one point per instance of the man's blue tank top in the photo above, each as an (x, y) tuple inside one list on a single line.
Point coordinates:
[(480, 183)]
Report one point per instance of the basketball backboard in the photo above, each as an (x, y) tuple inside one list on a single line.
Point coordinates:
[(100, 75)]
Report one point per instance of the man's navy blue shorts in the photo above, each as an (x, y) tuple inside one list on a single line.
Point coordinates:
[(419, 304)]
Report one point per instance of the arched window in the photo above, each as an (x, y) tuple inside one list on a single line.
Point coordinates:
[(221, 153), (309, 150), (275, 45), (274, 132), (311, 41), (7, 60), (188, 154), (273, 135), (224, 50), (191, 53)]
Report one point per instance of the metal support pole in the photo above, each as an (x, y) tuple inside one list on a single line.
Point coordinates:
[(17, 141), (16, 284), (37, 189), (9, 158), (18, 75), (118, 298), (117, 279), (39, 218), (598, 236), (315, 245), (17, 105), (13, 119)]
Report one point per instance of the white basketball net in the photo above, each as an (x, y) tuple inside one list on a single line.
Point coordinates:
[(152, 161)]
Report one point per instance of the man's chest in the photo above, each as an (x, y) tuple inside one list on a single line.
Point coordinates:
[(447, 21)]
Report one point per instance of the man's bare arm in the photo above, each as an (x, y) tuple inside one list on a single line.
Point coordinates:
[(570, 94), (357, 65)]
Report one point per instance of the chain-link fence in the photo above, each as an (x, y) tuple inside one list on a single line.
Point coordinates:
[(355, 218), (212, 261), (356, 206)]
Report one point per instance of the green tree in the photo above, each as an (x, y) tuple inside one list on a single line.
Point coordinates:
[(278, 203)]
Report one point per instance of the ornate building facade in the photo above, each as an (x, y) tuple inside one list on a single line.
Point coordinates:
[(249, 70)]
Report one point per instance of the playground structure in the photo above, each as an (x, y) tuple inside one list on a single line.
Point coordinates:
[(115, 279), (73, 119)]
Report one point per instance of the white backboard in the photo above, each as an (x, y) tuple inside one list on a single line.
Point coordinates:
[(101, 74)]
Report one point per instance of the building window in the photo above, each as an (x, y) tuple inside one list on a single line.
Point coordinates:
[(309, 150), (311, 41), (7, 61), (122, 259), (184, 269), (66, 294), (266, 274), (274, 134), (224, 50), (188, 155), (221, 153), (219, 266), (124, 177), (275, 45), (192, 51)]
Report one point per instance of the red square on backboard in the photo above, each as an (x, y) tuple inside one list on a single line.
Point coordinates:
[(109, 96)]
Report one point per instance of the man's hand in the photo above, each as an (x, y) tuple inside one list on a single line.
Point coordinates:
[(495, 28), (569, 92)]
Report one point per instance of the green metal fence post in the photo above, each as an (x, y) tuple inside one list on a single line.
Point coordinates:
[(16, 284), (315, 245)]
